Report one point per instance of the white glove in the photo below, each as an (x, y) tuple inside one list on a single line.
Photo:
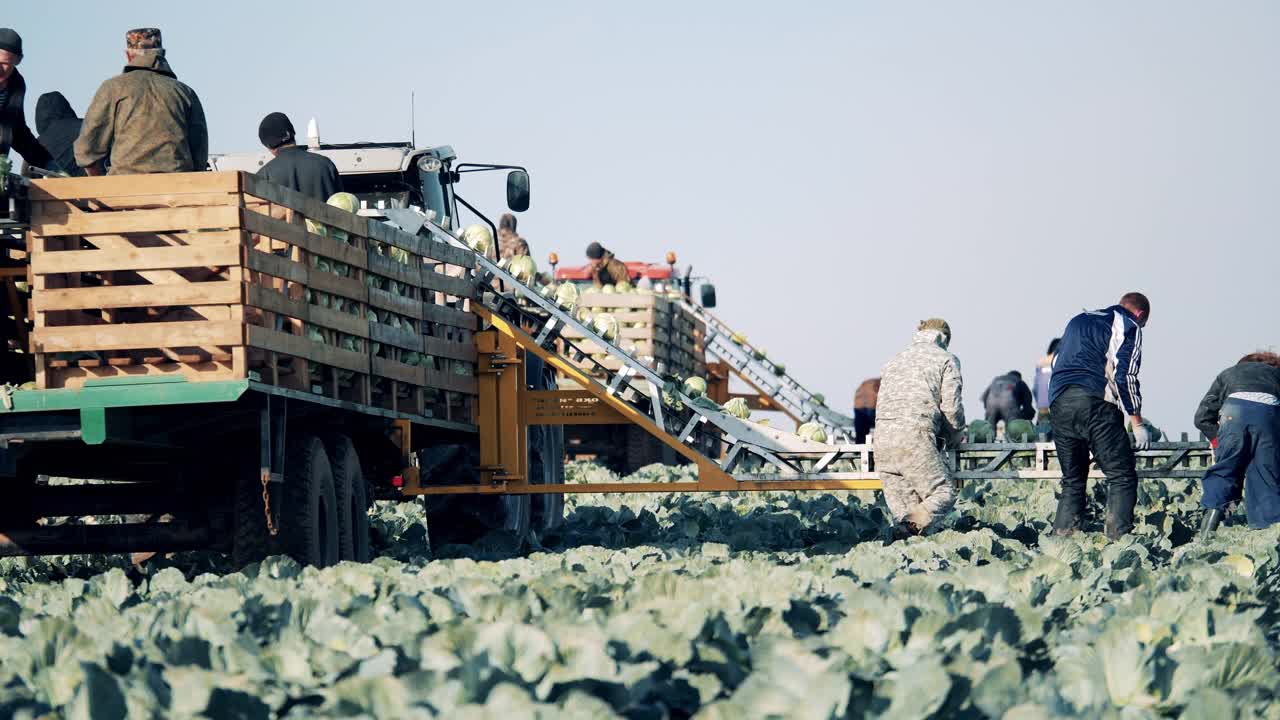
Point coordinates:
[(1141, 437)]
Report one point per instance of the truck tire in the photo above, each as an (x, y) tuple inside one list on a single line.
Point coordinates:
[(466, 519), (546, 467), (352, 499), (308, 516), (546, 454)]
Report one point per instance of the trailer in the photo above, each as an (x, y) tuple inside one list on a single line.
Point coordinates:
[(226, 364)]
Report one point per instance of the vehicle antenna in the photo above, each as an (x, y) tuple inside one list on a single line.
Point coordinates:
[(413, 120)]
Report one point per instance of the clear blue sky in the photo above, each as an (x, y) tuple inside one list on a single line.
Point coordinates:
[(840, 169)]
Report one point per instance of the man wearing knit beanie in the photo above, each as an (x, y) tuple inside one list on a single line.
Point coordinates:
[(605, 268), (293, 166), (14, 132), (144, 120)]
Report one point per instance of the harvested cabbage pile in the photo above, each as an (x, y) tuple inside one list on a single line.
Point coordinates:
[(725, 606)]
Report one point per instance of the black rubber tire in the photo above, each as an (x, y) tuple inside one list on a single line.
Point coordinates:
[(352, 495), (465, 519), (308, 516), (546, 467), (546, 455), (18, 510)]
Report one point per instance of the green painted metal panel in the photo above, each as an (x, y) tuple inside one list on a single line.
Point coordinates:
[(93, 425), (127, 392)]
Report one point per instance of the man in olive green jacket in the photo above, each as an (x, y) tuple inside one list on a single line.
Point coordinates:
[(143, 120)]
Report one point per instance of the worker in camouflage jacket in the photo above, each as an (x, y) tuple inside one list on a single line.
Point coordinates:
[(919, 409), (144, 120)]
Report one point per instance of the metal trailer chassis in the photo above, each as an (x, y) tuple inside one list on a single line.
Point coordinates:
[(174, 457)]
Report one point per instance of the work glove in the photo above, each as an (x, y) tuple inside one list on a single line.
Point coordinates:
[(1141, 437)]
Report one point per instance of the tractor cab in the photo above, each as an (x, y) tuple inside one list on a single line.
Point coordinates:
[(382, 175)]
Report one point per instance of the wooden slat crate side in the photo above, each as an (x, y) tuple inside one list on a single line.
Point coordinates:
[(387, 335), (400, 372), (151, 258), (74, 377), (399, 304), (177, 219), (276, 302), (452, 382), (393, 270), (440, 282), (445, 315), (593, 298), (309, 207), (347, 287), (124, 186), (90, 338), (224, 292), (464, 351), (298, 236), (301, 347)]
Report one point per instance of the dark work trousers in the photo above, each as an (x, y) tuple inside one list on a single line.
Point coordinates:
[(1084, 423), (864, 419), (1247, 461)]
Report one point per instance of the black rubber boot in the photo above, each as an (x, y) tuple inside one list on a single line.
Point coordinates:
[(1209, 523), (1070, 517)]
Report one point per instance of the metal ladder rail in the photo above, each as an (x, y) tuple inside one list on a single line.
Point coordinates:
[(744, 358), (683, 421), (762, 373)]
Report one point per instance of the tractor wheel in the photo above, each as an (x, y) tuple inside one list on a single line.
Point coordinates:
[(466, 519), (546, 454), (308, 515), (352, 495), (18, 509), (546, 467)]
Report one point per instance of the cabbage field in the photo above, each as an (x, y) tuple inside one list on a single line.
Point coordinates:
[(643, 606)]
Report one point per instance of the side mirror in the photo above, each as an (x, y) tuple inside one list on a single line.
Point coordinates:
[(708, 295), (518, 190)]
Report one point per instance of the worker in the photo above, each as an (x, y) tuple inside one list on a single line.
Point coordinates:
[(1094, 385), (919, 408), (1044, 371), (292, 165), (59, 127), (605, 268), (143, 120), (14, 132), (1241, 416), (864, 409), (1008, 398), (510, 243)]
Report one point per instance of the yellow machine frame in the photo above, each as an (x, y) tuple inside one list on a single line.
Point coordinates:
[(507, 408)]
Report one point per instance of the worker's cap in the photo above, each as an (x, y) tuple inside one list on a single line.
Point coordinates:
[(936, 324), (142, 39), (11, 41), (595, 251), (275, 130)]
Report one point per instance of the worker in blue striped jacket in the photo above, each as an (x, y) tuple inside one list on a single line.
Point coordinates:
[(1093, 387)]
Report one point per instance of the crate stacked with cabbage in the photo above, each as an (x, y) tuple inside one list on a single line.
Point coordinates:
[(649, 326)]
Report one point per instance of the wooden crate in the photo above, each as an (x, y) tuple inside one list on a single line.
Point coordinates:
[(224, 275), (653, 329), (141, 275)]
